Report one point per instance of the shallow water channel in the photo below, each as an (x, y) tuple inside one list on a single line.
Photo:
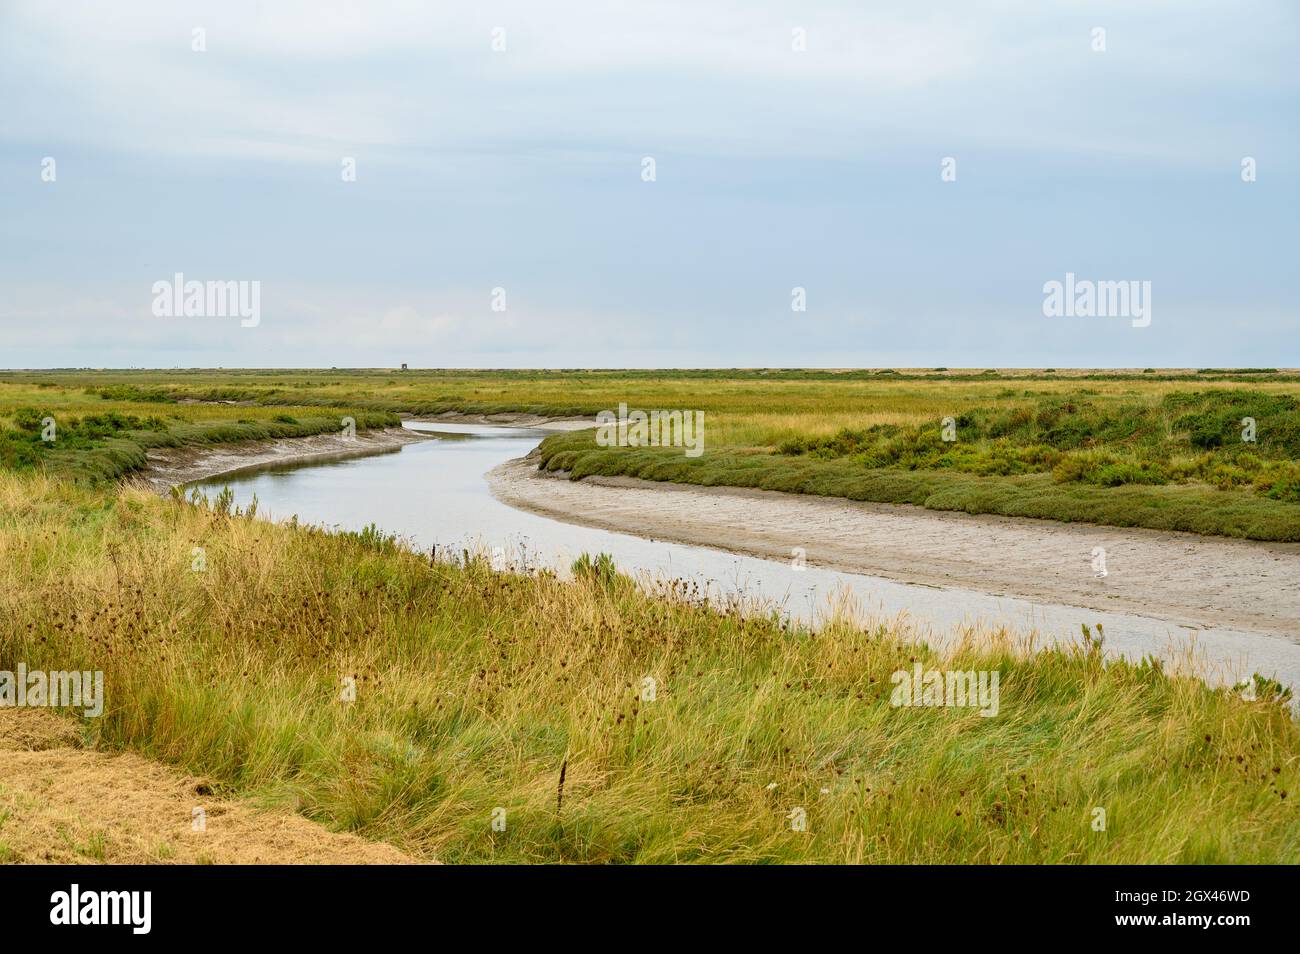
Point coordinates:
[(435, 493)]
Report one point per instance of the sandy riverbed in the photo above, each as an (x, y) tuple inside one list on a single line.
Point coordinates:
[(1185, 579)]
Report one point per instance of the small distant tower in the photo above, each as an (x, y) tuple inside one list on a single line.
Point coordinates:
[(403, 365)]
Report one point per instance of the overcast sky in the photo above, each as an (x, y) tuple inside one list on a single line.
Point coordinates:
[(775, 168)]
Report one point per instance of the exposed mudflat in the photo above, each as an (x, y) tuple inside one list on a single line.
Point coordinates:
[(1185, 579), (169, 466)]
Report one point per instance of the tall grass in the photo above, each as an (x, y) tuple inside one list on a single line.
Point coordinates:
[(475, 690)]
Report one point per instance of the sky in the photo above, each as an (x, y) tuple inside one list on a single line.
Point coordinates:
[(502, 213)]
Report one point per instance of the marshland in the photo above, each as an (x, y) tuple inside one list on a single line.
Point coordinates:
[(410, 688)]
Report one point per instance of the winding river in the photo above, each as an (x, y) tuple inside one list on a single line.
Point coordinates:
[(434, 493)]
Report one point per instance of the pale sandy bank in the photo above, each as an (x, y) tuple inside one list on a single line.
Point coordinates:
[(66, 804), (1185, 579)]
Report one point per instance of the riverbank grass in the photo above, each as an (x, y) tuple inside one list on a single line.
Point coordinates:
[(418, 702)]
